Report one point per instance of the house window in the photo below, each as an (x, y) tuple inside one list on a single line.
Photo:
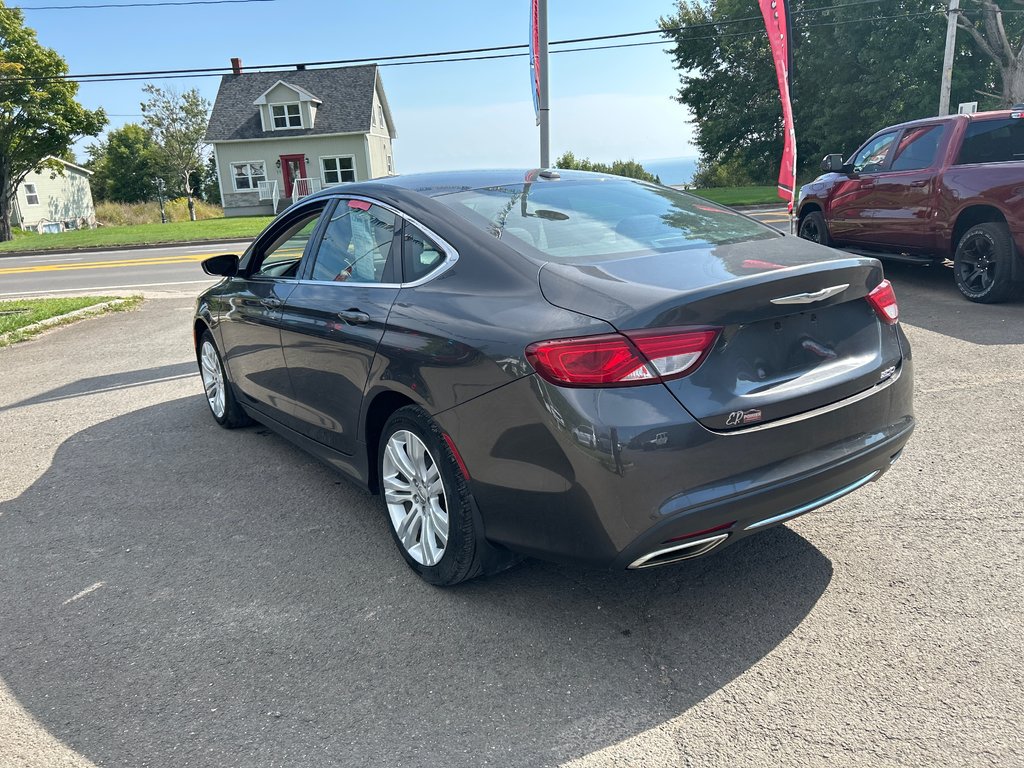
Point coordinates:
[(380, 116), (286, 116), (31, 194), (247, 176), (391, 165), (338, 169)]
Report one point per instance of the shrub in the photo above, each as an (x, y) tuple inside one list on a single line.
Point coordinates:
[(629, 168), (131, 214)]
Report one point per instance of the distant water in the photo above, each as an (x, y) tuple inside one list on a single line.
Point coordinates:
[(672, 170)]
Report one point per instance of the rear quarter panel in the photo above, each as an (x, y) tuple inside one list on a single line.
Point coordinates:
[(998, 185)]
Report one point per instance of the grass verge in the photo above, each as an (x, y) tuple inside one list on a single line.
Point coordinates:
[(740, 195), (223, 230), (24, 318)]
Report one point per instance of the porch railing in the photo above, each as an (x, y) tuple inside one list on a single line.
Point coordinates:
[(269, 191), (304, 188)]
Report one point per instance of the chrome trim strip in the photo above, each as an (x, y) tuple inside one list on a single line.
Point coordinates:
[(813, 504), (706, 545), (817, 411), (810, 298)]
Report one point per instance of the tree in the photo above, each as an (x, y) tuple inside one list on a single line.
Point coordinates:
[(39, 116), (629, 168), (124, 165), (993, 38), (853, 76), (177, 124)]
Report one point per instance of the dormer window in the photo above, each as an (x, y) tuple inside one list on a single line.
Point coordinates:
[(286, 116)]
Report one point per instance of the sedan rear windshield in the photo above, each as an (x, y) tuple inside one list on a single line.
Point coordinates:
[(569, 220)]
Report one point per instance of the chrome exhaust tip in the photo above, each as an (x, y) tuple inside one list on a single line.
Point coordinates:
[(684, 550)]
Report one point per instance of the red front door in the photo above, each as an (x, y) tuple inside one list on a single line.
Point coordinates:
[(293, 167)]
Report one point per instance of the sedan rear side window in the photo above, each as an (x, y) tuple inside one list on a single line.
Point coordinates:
[(356, 245), (569, 220), (420, 255), (993, 141)]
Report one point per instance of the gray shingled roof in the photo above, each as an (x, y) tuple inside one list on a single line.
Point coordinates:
[(346, 92)]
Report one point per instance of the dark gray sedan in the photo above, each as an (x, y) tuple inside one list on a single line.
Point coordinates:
[(566, 365)]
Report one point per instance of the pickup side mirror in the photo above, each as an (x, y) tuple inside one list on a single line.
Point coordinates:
[(225, 265), (834, 164)]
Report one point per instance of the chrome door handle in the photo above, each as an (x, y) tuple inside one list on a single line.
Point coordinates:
[(354, 316), (921, 183), (270, 302)]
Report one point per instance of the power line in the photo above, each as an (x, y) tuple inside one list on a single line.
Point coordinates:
[(440, 57), (162, 4)]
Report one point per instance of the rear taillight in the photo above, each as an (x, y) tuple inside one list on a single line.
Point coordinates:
[(883, 300), (622, 359)]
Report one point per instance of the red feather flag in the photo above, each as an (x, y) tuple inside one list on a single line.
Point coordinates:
[(777, 21)]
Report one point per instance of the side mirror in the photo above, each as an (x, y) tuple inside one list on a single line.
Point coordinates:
[(225, 265), (834, 164)]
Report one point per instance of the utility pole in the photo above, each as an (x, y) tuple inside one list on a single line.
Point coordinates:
[(543, 105), (947, 62)]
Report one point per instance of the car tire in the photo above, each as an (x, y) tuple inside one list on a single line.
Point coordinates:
[(983, 264), (427, 501), (814, 228), (220, 395)]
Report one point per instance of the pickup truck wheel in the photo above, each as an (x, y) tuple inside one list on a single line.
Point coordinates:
[(982, 264), (814, 228)]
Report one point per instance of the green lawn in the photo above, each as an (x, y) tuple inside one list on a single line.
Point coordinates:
[(16, 315), (741, 195), (237, 228)]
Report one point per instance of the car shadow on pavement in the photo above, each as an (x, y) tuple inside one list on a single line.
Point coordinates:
[(929, 299), (176, 594), (109, 383)]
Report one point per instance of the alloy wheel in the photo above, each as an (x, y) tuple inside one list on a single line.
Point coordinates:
[(810, 231), (213, 379), (976, 264), (415, 497)]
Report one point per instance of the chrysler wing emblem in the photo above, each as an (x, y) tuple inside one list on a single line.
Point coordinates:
[(810, 298)]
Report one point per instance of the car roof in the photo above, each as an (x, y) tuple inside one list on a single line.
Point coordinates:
[(993, 115), (439, 183)]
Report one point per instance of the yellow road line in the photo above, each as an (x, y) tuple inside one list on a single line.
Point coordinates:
[(66, 267)]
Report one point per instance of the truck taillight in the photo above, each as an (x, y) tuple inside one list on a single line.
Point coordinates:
[(622, 359), (883, 300)]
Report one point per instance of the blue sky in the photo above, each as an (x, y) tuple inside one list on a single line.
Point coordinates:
[(606, 104)]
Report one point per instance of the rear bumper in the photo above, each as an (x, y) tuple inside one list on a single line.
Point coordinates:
[(606, 477), (737, 516)]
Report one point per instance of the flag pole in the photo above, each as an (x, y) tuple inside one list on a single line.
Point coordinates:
[(542, 62)]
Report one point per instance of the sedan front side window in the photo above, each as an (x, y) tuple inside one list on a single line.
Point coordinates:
[(282, 256)]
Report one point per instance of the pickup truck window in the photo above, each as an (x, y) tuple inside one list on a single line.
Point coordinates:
[(917, 148), (993, 141), (871, 159)]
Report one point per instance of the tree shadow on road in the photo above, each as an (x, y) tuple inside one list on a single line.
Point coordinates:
[(176, 594)]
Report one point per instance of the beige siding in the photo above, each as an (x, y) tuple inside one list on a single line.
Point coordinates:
[(380, 149), (61, 198), (270, 151)]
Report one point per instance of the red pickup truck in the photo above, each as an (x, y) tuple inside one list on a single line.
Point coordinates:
[(930, 190)]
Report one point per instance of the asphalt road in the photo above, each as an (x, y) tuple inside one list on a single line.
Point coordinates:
[(174, 594), (153, 271)]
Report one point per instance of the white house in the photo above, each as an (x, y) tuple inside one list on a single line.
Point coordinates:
[(279, 136), (49, 202)]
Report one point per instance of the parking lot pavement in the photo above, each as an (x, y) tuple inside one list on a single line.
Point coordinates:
[(174, 594)]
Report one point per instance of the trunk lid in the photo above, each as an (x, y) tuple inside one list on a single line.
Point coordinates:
[(782, 349)]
